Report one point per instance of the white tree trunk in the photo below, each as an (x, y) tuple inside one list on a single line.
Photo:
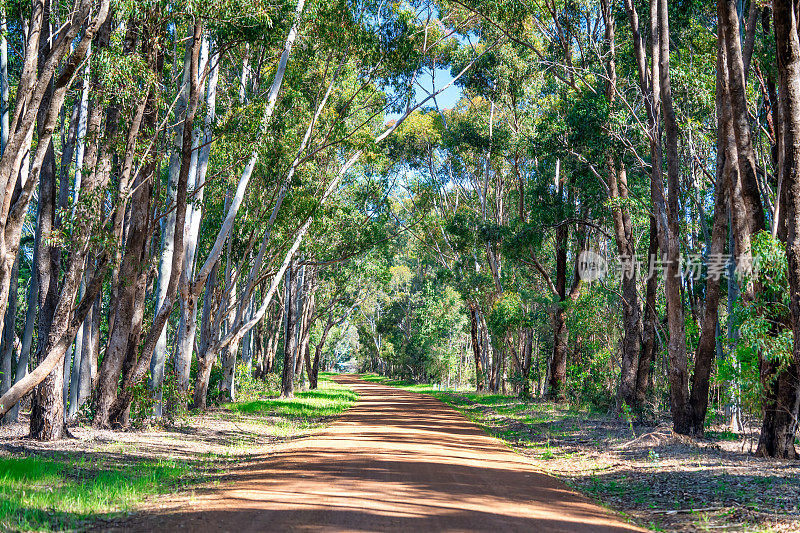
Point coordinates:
[(4, 91), (80, 144), (72, 381), (168, 232), (194, 212), (229, 353)]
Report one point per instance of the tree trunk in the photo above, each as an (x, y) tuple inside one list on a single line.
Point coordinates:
[(780, 424), (165, 259), (8, 335), (83, 379), (128, 313), (727, 166), (631, 312), (314, 374), (290, 335), (647, 353), (678, 368), (476, 348), (527, 353), (558, 362), (47, 409), (229, 354), (204, 367), (208, 336)]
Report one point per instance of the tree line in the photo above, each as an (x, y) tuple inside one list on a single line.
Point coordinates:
[(655, 136), (194, 185)]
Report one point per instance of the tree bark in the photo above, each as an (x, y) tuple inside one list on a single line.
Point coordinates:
[(678, 368), (476, 348), (290, 334), (707, 344), (647, 353), (780, 424), (47, 408)]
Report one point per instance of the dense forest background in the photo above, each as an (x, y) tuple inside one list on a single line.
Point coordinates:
[(200, 194)]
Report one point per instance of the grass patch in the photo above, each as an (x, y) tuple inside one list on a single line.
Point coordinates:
[(45, 494), (307, 407), (69, 490)]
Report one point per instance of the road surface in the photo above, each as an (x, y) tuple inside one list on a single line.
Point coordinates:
[(396, 461)]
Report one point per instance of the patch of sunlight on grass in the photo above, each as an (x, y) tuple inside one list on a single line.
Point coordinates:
[(38, 494), (330, 399)]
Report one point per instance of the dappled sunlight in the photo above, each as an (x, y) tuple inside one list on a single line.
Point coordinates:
[(397, 461)]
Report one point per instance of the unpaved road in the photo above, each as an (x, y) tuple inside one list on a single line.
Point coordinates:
[(397, 461)]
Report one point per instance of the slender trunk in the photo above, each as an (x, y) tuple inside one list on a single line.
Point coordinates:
[(229, 353), (558, 362), (623, 233), (85, 371), (527, 352), (290, 335), (727, 170), (208, 336), (47, 409), (71, 393), (678, 368), (309, 312), (476, 347), (314, 374), (631, 311), (300, 294), (8, 335), (707, 345), (168, 226), (647, 353), (80, 145)]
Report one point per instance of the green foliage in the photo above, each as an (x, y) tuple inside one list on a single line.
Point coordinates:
[(249, 388), (763, 323), (507, 313), (594, 384)]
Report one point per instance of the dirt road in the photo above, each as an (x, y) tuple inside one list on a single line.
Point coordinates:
[(397, 461)]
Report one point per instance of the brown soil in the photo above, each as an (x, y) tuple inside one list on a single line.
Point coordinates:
[(397, 461)]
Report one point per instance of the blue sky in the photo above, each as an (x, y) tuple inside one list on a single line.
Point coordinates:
[(447, 99)]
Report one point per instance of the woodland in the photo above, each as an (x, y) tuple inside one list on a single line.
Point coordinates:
[(590, 202)]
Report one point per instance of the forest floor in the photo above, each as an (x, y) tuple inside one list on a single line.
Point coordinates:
[(99, 477), (656, 478)]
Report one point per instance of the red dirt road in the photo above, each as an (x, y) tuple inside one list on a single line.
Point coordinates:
[(397, 461)]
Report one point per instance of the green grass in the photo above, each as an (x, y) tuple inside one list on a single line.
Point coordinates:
[(312, 406), (61, 493), (70, 491)]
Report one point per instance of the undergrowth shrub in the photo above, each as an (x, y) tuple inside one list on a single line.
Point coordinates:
[(249, 388)]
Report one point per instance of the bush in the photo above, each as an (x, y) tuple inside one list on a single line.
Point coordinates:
[(249, 388), (594, 384)]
